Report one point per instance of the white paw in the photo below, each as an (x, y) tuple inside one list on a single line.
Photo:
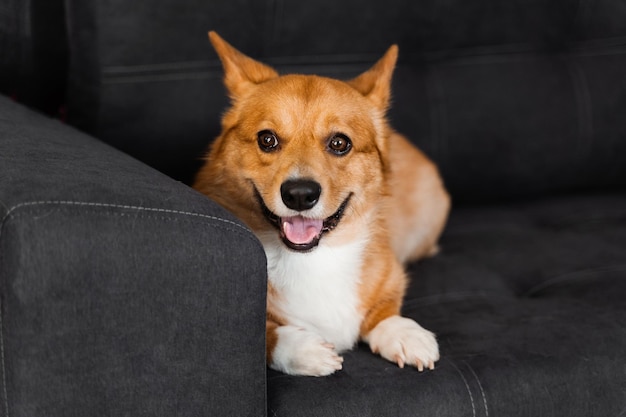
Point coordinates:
[(301, 352), (403, 341)]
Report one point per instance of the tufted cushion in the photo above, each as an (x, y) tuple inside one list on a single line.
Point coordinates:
[(512, 99), (528, 304)]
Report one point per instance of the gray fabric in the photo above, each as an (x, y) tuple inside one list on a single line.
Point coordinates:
[(123, 292)]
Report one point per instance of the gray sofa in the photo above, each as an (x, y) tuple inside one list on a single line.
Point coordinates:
[(125, 292)]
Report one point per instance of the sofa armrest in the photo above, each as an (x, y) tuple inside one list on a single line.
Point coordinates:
[(123, 292)]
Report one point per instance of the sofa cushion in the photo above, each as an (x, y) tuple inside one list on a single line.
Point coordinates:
[(512, 99), (527, 301)]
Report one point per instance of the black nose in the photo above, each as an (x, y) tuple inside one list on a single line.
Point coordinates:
[(300, 194)]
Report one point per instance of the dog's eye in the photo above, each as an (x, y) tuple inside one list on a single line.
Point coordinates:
[(268, 142), (339, 144)]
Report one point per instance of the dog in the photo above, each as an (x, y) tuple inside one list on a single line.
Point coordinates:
[(339, 202)]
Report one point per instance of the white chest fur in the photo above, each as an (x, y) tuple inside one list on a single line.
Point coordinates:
[(319, 290)]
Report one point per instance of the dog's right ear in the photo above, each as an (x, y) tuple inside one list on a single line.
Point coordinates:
[(241, 73)]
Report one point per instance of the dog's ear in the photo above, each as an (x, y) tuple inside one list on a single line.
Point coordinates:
[(375, 83), (241, 73)]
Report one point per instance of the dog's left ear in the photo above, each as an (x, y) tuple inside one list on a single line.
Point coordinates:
[(375, 83)]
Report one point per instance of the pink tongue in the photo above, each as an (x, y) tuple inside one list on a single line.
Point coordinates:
[(300, 230)]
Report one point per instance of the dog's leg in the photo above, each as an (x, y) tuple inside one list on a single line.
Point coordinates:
[(403, 341), (297, 351), (397, 339)]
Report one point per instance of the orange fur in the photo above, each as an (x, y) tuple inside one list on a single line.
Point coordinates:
[(396, 192)]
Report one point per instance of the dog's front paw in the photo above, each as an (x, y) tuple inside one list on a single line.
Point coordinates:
[(301, 352), (403, 341)]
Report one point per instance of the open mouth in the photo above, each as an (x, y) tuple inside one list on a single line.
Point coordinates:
[(300, 233)]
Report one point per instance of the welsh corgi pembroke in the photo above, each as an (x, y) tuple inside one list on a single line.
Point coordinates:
[(339, 201)]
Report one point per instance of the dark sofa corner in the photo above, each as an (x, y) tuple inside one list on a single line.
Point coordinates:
[(124, 292), (120, 290)]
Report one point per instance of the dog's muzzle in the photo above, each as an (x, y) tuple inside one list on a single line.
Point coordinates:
[(300, 233)]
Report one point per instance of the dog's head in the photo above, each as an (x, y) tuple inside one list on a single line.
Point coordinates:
[(300, 155)]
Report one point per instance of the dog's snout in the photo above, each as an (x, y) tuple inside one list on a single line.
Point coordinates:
[(300, 195)]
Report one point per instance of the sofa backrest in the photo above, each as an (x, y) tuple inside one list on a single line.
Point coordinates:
[(513, 98), (33, 53)]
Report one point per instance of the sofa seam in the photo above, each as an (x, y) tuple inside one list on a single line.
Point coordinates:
[(482, 391), (586, 274), (467, 386), (151, 216), (614, 45), (453, 297), (154, 210)]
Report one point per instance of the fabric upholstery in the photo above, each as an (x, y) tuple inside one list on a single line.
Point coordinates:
[(33, 53), (491, 90), (124, 292), (121, 289), (527, 301)]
